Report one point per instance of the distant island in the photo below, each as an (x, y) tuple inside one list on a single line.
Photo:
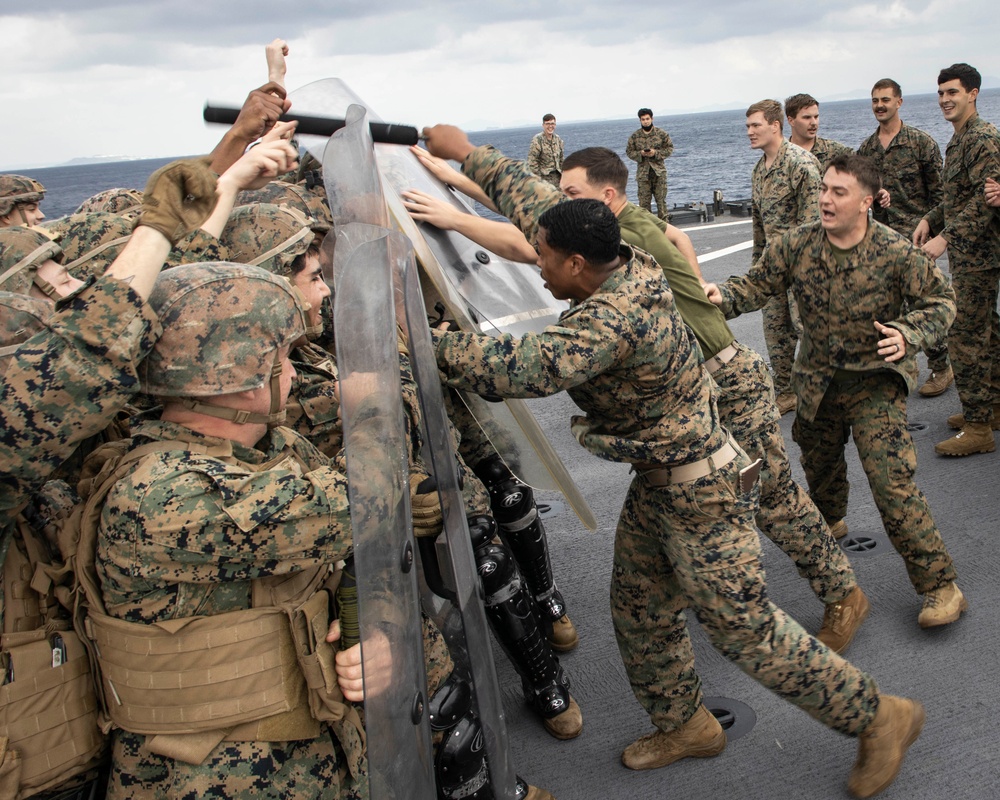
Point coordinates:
[(76, 162)]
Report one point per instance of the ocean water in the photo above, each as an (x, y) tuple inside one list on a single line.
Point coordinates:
[(710, 149)]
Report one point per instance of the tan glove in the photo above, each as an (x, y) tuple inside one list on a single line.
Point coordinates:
[(179, 198), (425, 506)]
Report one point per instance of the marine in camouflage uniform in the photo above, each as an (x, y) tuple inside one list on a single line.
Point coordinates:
[(90, 241), (745, 399), (971, 229), (785, 196), (825, 150), (650, 171), (845, 387), (19, 199), (122, 202), (545, 156), (681, 542), (910, 166)]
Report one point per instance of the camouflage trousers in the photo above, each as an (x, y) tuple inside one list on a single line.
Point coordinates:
[(787, 516), (311, 768), (872, 410), (693, 545), (652, 185), (974, 341), (781, 338)]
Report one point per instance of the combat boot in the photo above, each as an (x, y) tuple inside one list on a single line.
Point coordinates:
[(841, 620), (838, 529), (567, 724), (942, 606), (700, 737), (534, 793), (938, 383), (564, 636), (883, 744), (975, 437), (785, 403), (957, 421)]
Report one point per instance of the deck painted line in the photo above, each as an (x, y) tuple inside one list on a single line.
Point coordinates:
[(715, 225), (725, 251)]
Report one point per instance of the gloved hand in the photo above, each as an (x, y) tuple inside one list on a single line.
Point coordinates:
[(179, 198), (425, 505)]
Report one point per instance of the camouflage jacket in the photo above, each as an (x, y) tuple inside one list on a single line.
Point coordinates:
[(624, 356), (825, 150), (66, 384), (911, 172), (971, 228), (657, 139), (881, 274), (785, 195), (545, 154)]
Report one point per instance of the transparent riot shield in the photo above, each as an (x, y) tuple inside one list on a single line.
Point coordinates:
[(400, 757), (455, 546), (480, 290)]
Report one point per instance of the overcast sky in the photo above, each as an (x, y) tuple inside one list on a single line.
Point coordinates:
[(119, 77)]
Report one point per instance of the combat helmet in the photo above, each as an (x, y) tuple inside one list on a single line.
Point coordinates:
[(21, 317), (306, 202), (123, 202), (223, 325), (17, 189), (90, 241), (22, 251), (267, 235)]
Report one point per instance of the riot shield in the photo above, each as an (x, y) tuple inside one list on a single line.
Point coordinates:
[(455, 545), (400, 757), (480, 290)]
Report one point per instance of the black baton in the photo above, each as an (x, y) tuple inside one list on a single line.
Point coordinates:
[(385, 132)]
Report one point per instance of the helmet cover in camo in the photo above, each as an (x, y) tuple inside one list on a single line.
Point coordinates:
[(22, 251), (90, 241), (222, 326), (21, 317), (281, 193), (124, 202), (267, 235), (17, 189)]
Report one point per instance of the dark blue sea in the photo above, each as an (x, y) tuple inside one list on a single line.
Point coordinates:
[(710, 149)]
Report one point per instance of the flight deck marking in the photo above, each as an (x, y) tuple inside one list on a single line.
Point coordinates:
[(715, 225), (725, 251)]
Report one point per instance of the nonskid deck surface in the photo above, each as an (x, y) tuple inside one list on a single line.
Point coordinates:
[(787, 755)]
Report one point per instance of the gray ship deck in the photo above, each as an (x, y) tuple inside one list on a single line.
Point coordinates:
[(786, 755)]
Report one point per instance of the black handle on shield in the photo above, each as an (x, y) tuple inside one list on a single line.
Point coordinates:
[(385, 132)]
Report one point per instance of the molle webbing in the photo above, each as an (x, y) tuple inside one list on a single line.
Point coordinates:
[(198, 674)]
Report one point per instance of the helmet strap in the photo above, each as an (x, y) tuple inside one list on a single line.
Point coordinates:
[(239, 416)]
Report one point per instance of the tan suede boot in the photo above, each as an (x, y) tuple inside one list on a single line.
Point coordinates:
[(568, 724), (975, 437), (938, 383), (942, 606), (564, 636), (842, 620), (700, 737), (838, 529), (534, 793), (785, 402), (883, 744)]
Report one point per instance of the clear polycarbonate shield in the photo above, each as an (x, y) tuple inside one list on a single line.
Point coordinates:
[(400, 757), (455, 545)]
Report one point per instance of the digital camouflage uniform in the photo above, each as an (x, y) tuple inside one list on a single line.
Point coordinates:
[(746, 396), (785, 195), (628, 361), (911, 171), (650, 171), (845, 389), (545, 157), (125, 203), (90, 241), (972, 230), (825, 150)]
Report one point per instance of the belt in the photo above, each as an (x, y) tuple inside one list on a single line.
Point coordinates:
[(724, 356), (665, 476)]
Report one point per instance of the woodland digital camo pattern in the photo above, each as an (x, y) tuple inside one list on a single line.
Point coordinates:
[(650, 171), (222, 325), (24, 250), (306, 202), (545, 157), (268, 235), (21, 317), (882, 272), (123, 202), (67, 385), (626, 358), (90, 241), (974, 342), (825, 150), (871, 409), (17, 189), (785, 196), (911, 171), (196, 247)]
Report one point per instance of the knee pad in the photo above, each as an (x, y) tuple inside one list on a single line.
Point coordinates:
[(460, 766)]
